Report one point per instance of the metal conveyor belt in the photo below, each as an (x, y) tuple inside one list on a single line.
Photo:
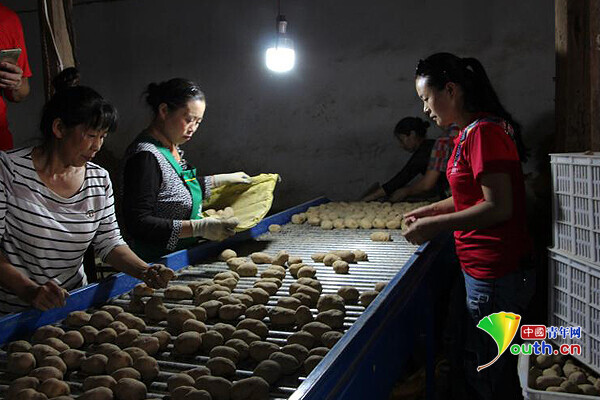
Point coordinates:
[(385, 260)]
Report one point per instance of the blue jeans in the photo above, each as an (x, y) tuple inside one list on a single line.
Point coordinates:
[(511, 293)]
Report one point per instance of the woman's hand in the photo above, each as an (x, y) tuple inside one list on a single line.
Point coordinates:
[(421, 230), (46, 296), (399, 195), (157, 276), (374, 192), (125, 260), (426, 222), (236, 177), (212, 228), (374, 195), (421, 212), (441, 207)]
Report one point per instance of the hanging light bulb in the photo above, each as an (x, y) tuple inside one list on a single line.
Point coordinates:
[(281, 57)]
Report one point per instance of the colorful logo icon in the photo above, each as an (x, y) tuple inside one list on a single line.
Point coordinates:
[(502, 327)]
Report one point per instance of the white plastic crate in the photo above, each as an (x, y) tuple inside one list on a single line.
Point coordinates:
[(576, 204), (575, 301), (534, 394)]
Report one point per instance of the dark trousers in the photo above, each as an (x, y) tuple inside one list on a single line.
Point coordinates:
[(510, 293)]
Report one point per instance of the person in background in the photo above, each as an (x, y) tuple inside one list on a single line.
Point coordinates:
[(486, 210), (14, 78), (54, 203), (429, 158), (162, 193)]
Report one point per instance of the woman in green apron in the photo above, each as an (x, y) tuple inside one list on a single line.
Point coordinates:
[(162, 193)]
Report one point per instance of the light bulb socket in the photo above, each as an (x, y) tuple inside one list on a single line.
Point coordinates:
[(281, 24)]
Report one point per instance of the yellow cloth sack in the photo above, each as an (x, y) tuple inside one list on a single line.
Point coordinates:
[(250, 202)]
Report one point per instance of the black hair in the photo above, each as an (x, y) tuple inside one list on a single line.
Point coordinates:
[(68, 77), (479, 94), (76, 105), (175, 93), (408, 125)]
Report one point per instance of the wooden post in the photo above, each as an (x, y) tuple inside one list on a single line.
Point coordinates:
[(575, 78), (594, 40), (560, 97), (57, 39), (577, 44)]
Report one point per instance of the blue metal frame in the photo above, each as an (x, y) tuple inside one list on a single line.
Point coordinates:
[(21, 325), (364, 364), (367, 360)]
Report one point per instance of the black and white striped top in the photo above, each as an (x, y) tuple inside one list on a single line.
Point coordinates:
[(45, 235)]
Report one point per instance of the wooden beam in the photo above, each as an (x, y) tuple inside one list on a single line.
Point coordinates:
[(577, 44), (57, 39), (594, 45), (560, 99), (577, 133)]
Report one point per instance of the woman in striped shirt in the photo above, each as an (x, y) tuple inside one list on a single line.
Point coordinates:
[(54, 203)]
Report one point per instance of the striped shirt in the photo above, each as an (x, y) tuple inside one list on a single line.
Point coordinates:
[(44, 235)]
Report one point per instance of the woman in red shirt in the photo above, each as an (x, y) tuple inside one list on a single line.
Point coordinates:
[(487, 207)]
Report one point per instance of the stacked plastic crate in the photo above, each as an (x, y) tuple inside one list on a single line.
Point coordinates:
[(574, 261)]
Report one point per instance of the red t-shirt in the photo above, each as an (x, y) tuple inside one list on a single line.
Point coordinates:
[(11, 36), (495, 251)]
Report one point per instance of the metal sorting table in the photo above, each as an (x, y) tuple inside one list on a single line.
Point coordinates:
[(364, 363)]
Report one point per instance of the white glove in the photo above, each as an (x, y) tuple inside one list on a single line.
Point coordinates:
[(214, 229), (236, 177)]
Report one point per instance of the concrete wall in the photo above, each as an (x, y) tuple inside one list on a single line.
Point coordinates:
[(325, 127)]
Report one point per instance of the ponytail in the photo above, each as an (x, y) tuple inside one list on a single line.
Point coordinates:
[(488, 101)]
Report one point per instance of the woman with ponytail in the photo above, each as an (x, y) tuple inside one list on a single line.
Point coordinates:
[(428, 161), (487, 209), (162, 193), (54, 203)]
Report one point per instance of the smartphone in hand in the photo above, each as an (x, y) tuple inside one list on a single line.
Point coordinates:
[(10, 55)]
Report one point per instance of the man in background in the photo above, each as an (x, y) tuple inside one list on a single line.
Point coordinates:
[(14, 82)]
